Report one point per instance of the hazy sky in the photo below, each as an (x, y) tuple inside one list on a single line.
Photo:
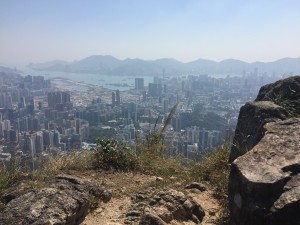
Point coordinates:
[(250, 30)]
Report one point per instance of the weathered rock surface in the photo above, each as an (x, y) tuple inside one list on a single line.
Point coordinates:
[(284, 92), (264, 186), (65, 201), (286, 88), (152, 206), (250, 127), (196, 185), (254, 115), (264, 182), (150, 219)]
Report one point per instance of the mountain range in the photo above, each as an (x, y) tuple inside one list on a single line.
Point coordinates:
[(109, 65)]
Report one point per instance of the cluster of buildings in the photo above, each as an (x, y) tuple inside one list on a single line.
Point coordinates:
[(35, 117)]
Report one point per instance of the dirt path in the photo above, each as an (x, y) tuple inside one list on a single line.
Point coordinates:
[(111, 213), (124, 185)]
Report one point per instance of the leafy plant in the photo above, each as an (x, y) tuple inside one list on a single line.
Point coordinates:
[(111, 154)]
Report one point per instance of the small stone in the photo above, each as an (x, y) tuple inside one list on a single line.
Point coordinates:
[(178, 184), (133, 213), (196, 185), (140, 196), (98, 210), (152, 202), (150, 219), (159, 179)]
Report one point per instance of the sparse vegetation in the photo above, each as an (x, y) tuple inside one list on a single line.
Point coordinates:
[(291, 104), (214, 168), (149, 157), (76, 160)]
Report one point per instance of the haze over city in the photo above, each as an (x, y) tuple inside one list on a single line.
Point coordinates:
[(39, 31)]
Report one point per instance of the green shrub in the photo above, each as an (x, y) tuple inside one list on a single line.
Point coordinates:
[(111, 154)]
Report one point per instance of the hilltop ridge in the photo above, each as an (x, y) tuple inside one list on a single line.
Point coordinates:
[(109, 65)]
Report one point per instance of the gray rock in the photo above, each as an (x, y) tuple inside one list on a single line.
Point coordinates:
[(250, 127), (150, 219), (264, 184), (15, 191), (284, 92), (133, 213), (285, 88), (64, 202), (167, 205), (196, 185), (194, 210)]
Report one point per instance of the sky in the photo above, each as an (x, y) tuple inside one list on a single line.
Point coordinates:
[(186, 30)]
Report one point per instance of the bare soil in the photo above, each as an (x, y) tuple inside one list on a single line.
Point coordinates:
[(123, 185)]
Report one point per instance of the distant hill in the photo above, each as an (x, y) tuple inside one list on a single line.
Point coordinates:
[(109, 65), (8, 70)]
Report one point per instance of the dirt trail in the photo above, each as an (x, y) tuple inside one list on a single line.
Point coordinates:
[(124, 185)]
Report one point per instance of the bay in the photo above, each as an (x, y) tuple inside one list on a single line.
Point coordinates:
[(112, 82)]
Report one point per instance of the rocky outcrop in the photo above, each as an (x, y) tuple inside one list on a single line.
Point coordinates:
[(264, 185), (284, 92), (250, 127), (286, 89), (277, 101), (66, 201), (153, 206), (264, 182)]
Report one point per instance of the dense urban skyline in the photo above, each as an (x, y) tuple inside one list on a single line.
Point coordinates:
[(37, 31)]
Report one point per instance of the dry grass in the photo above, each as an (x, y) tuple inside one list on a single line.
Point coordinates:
[(76, 160), (214, 168)]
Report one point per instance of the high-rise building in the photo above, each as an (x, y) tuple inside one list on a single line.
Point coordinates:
[(132, 111), (56, 138), (203, 139), (155, 90), (144, 96), (139, 83), (176, 123), (166, 105), (48, 138), (118, 99), (39, 142), (113, 99), (59, 97)]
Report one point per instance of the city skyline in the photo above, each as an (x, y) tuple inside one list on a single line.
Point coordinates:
[(39, 31)]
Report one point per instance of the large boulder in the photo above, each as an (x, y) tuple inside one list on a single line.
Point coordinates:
[(250, 127), (65, 201), (276, 101), (264, 183), (264, 179)]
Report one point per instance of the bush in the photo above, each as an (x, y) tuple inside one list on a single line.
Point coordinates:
[(214, 168), (110, 154)]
